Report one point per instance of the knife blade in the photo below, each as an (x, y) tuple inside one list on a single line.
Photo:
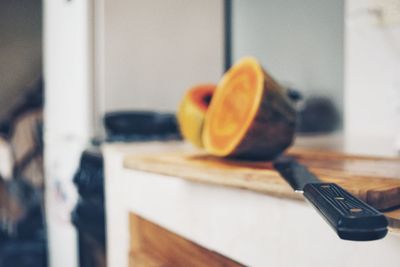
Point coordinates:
[(350, 217)]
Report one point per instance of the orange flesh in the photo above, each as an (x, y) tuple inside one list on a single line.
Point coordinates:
[(201, 96), (234, 106)]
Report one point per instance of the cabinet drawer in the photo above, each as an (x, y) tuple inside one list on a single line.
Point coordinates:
[(152, 245)]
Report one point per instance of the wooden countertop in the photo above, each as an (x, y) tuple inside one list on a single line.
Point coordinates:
[(373, 179)]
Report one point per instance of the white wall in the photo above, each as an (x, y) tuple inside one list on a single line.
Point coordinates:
[(20, 48), (373, 73), (153, 50), (299, 42), (68, 63)]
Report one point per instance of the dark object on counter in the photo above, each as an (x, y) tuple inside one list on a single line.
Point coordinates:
[(318, 115), (140, 126), (351, 218), (294, 95)]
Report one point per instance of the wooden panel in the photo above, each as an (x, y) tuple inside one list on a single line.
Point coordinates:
[(154, 246), (372, 179), (142, 259)]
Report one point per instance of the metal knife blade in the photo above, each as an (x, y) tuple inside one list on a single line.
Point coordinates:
[(295, 174), (351, 218)]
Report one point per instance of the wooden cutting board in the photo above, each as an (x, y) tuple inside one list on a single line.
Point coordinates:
[(373, 179)]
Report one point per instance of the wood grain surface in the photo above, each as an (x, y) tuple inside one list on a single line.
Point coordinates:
[(372, 179), (154, 246)]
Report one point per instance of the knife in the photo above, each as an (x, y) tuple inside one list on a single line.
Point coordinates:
[(351, 218)]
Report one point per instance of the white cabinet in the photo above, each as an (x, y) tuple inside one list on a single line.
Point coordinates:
[(246, 226)]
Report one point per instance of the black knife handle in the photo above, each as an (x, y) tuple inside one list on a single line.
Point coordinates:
[(351, 218)]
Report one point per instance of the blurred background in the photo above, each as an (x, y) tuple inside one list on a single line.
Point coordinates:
[(66, 65)]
